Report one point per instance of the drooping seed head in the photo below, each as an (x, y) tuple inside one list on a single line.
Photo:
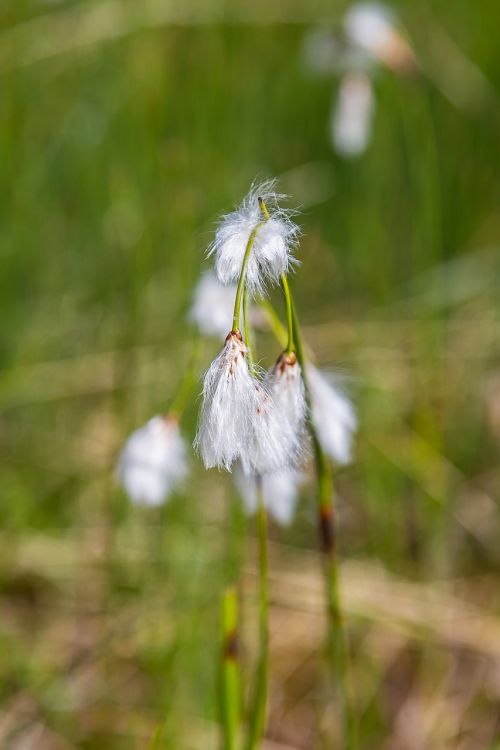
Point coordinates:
[(226, 415), (273, 244), (153, 461)]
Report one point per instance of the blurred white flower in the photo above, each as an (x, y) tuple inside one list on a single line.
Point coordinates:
[(286, 386), (213, 304), (333, 416), (153, 461), (275, 239), (229, 404), (280, 493), (352, 115), (371, 27)]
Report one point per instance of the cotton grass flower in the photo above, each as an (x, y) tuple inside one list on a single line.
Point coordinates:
[(212, 308), (371, 27), (229, 403), (280, 492), (153, 461), (240, 418), (273, 244), (352, 115), (286, 386), (333, 416)]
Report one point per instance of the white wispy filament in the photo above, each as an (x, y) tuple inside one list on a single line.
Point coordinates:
[(286, 386), (240, 417), (273, 245), (153, 461), (333, 415), (270, 445)]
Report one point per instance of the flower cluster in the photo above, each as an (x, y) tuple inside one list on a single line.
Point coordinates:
[(250, 419), (255, 418)]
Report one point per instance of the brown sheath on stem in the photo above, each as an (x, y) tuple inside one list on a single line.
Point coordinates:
[(327, 530), (231, 646)]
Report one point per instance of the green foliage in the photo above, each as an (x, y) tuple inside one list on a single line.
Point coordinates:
[(116, 158)]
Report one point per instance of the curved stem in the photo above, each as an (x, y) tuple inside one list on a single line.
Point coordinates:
[(290, 347), (264, 208), (242, 279), (247, 332), (258, 716), (274, 321)]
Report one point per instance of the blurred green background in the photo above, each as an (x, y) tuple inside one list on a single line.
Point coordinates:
[(126, 128)]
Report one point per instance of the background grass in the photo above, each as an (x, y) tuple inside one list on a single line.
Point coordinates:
[(125, 129)]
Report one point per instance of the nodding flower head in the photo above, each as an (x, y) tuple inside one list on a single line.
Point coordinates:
[(212, 308), (286, 386), (228, 403), (333, 416), (280, 493), (275, 238), (153, 461), (240, 417)]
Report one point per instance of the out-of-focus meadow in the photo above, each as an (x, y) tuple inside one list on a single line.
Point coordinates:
[(126, 128)]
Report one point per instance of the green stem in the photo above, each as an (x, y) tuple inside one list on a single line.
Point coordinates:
[(230, 671), (258, 716), (286, 291), (243, 273), (274, 321), (247, 332), (264, 208), (290, 347)]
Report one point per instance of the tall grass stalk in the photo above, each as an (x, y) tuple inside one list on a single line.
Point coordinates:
[(338, 651), (259, 706)]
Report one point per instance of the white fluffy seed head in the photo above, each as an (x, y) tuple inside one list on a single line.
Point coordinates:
[(153, 461), (269, 448), (333, 415), (286, 386), (212, 308), (280, 493), (352, 115), (273, 245), (226, 416), (371, 27)]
